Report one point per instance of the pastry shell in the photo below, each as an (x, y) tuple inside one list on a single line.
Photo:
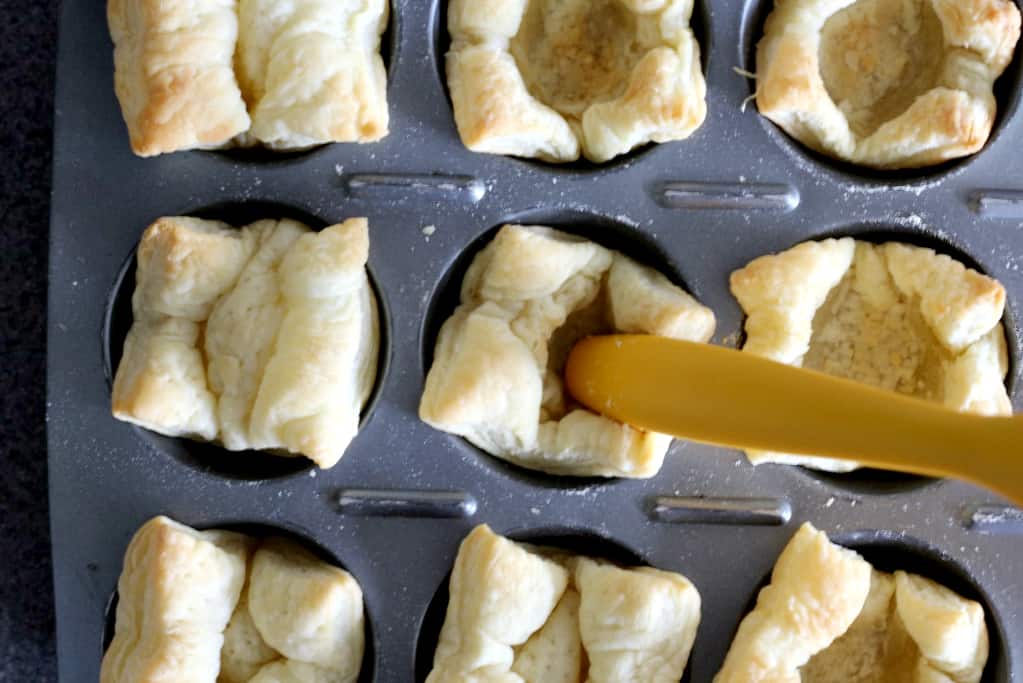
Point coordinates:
[(529, 295), (952, 112), (502, 105), (828, 616), (892, 315)]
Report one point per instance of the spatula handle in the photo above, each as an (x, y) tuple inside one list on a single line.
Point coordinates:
[(717, 395)]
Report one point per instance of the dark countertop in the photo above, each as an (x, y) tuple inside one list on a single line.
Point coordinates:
[(28, 38)]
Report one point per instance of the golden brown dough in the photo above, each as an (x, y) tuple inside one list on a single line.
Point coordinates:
[(885, 83), (264, 337), (551, 78), (894, 316), (310, 72), (828, 617), (173, 73), (526, 299), (176, 594)]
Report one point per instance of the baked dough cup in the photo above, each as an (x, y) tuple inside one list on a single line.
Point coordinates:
[(263, 337), (176, 594), (221, 607), (828, 616), (895, 316), (551, 78), (307, 73), (525, 300), (885, 83), (521, 614)]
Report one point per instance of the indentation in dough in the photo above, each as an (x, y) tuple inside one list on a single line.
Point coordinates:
[(878, 56), (573, 53), (868, 331)]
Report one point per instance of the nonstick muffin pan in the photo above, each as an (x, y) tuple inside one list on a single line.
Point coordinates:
[(393, 511)]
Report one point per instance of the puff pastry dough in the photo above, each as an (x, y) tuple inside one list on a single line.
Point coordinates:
[(829, 617), (189, 75), (264, 337), (892, 315), (519, 614), (886, 83), (176, 593), (298, 619), (526, 299), (551, 78)]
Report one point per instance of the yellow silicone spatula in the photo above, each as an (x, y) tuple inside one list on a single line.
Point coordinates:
[(717, 395)]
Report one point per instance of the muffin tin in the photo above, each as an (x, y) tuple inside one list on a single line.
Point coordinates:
[(394, 510)]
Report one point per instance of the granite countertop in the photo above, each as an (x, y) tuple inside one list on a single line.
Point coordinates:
[(28, 36)]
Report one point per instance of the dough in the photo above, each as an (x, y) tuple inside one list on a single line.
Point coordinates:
[(173, 73), (176, 593), (307, 610), (551, 78), (188, 613), (637, 624), (526, 299), (308, 72), (828, 617), (519, 614), (264, 337), (500, 594), (311, 71), (894, 316), (244, 652), (885, 83)]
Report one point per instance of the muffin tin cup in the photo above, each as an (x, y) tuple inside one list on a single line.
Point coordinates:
[(395, 508)]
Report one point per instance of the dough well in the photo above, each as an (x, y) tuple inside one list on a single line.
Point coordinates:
[(886, 83), (829, 617), (894, 316), (553, 78), (526, 299)]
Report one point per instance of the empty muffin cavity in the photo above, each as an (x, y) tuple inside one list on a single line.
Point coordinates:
[(878, 56)]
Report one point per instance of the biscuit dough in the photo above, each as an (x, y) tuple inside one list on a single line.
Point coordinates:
[(551, 78), (894, 316), (190, 75), (520, 614), (526, 299), (886, 83), (829, 617), (184, 616), (263, 337)]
